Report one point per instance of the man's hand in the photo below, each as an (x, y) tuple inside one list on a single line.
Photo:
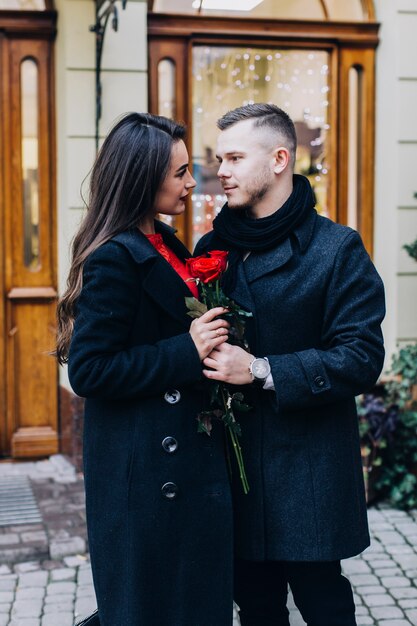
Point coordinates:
[(229, 364)]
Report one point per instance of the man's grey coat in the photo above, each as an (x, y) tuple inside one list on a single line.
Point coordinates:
[(318, 304)]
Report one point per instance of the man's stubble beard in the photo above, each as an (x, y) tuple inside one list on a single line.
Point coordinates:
[(255, 191)]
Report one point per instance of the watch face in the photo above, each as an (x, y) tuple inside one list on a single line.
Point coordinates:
[(260, 368)]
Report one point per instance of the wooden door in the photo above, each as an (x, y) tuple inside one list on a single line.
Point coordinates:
[(28, 373)]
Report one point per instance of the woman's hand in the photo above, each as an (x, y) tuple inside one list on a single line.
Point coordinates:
[(208, 332)]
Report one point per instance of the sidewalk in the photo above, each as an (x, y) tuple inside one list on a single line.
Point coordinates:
[(45, 574)]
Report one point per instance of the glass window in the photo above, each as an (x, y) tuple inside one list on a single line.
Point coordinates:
[(30, 161), (227, 77), (22, 5), (166, 88), (284, 9)]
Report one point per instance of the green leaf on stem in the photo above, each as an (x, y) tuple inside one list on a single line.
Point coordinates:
[(195, 307)]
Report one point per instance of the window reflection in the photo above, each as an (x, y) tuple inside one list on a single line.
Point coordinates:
[(334, 10), (166, 88), (22, 5), (227, 77), (30, 162)]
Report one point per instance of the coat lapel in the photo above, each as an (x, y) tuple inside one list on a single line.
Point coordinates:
[(260, 263), (168, 290), (161, 282)]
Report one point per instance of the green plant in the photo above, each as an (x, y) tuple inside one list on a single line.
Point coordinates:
[(398, 475), (412, 249), (388, 427)]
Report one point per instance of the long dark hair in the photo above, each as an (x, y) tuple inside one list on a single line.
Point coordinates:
[(128, 171)]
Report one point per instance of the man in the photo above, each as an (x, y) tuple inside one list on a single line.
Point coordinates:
[(317, 304)]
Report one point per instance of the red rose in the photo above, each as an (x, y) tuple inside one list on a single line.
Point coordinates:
[(205, 268), (220, 254)]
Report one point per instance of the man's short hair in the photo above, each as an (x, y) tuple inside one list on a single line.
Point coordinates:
[(267, 116)]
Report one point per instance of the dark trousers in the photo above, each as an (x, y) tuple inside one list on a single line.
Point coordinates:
[(322, 595)]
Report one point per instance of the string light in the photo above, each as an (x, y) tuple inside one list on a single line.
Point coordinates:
[(229, 77)]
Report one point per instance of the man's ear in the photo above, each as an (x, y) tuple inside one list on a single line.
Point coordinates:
[(281, 159)]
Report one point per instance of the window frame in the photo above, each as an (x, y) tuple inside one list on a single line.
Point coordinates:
[(350, 44)]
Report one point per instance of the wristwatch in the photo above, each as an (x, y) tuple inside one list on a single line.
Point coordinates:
[(260, 369)]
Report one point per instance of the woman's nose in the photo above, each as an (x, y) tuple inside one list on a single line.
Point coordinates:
[(191, 183)]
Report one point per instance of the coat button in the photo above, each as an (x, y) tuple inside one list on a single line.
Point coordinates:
[(319, 381), (172, 396), (170, 444), (169, 490)]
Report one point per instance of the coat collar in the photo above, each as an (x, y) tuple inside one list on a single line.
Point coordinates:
[(161, 281), (259, 264)]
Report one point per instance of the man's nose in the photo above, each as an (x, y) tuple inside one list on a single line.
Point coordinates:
[(223, 172)]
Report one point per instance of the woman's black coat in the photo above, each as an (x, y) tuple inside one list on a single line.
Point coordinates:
[(317, 304), (158, 496)]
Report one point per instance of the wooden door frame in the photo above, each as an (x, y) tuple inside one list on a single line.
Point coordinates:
[(350, 44), (26, 27)]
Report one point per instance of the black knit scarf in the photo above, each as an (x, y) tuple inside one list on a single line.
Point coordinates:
[(236, 232)]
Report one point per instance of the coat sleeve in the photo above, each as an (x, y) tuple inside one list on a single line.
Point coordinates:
[(101, 362), (351, 354)]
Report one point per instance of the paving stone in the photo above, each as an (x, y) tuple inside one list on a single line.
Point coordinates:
[(360, 580), (406, 561), (7, 585), (379, 599), (390, 538), (374, 556), (27, 608), (394, 622), (30, 566), (371, 589), (53, 619), (85, 590), (386, 612), (59, 597), (61, 588), (85, 577), (33, 579), (381, 563), (387, 571), (6, 596), (65, 573), (30, 592), (374, 515), (67, 547), (22, 621), (364, 620), (9, 539), (395, 514), (362, 610), (407, 603), (4, 620), (395, 581), (5, 607), (74, 561), (59, 607), (383, 525), (85, 606), (37, 535), (412, 616), (400, 550), (404, 592), (355, 566), (5, 569)]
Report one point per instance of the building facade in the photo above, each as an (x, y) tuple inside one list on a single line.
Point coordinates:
[(346, 74)]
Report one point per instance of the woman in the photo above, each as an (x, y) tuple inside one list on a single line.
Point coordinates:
[(157, 492)]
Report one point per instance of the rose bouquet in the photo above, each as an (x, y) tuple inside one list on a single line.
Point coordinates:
[(207, 271)]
